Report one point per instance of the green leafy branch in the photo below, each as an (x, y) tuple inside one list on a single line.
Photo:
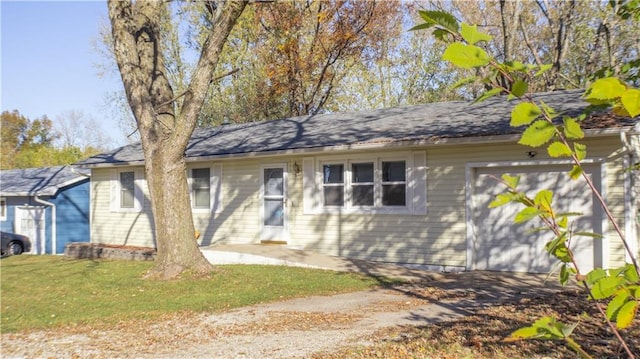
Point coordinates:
[(560, 138), (549, 328), (620, 284)]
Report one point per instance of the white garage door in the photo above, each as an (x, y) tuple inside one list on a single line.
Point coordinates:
[(501, 245)]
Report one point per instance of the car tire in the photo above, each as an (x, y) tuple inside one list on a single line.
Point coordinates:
[(14, 248)]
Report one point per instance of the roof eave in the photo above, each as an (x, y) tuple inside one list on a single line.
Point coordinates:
[(25, 194), (430, 142), (47, 191), (427, 142)]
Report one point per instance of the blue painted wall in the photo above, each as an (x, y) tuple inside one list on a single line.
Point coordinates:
[(72, 211), (72, 204)]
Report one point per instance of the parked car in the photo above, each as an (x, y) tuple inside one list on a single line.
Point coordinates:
[(13, 244)]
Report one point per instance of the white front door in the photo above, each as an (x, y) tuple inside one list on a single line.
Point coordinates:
[(274, 203), (29, 221)]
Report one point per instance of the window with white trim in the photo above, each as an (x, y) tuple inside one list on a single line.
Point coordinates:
[(201, 188), (333, 184), (205, 187), (394, 183), (389, 183), (126, 190), (364, 184), (3, 209)]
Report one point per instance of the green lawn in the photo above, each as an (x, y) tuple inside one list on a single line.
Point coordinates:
[(48, 291)]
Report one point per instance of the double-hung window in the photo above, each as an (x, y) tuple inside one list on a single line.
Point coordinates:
[(362, 184), (394, 183), (201, 188), (127, 189), (205, 188), (333, 184)]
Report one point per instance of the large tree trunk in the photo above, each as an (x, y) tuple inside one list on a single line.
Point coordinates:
[(165, 126), (167, 181)]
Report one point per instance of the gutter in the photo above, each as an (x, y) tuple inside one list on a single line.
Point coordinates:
[(72, 169), (53, 224)]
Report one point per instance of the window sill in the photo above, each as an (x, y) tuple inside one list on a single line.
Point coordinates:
[(201, 210), (126, 210), (384, 211)]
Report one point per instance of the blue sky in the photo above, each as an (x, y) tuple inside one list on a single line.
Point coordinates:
[(49, 63)]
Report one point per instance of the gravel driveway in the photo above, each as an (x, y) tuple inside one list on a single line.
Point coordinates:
[(288, 329)]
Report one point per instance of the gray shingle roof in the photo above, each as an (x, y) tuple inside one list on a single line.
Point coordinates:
[(39, 181), (427, 123)]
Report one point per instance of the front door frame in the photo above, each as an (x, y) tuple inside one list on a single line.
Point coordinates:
[(274, 234)]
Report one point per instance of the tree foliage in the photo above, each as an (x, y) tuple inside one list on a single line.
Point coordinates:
[(619, 287), (32, 143), (294, 56), (289, 58), (577, 40)]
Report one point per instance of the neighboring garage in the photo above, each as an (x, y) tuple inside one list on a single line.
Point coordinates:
[(497, 243)]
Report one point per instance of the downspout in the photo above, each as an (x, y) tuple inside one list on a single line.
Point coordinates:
[(53, 224)]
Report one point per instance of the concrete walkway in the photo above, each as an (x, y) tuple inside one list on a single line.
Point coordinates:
[(489, 285), (283, 255)]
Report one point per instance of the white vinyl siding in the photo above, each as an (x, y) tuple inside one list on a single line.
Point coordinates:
[(115, 226)]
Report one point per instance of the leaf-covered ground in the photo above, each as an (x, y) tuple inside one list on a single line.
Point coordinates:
[(482, 334), (365, 324)]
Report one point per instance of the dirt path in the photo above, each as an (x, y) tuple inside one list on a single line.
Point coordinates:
[(287, 329), (293, 328)]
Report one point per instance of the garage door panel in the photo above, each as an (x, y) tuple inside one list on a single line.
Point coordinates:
[(500, 244)]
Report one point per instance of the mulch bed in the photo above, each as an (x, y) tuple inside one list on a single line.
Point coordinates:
[(109, 251)]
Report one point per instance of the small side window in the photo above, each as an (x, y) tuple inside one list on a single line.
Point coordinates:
[(201, 187), (127, 188), (3, 209)]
